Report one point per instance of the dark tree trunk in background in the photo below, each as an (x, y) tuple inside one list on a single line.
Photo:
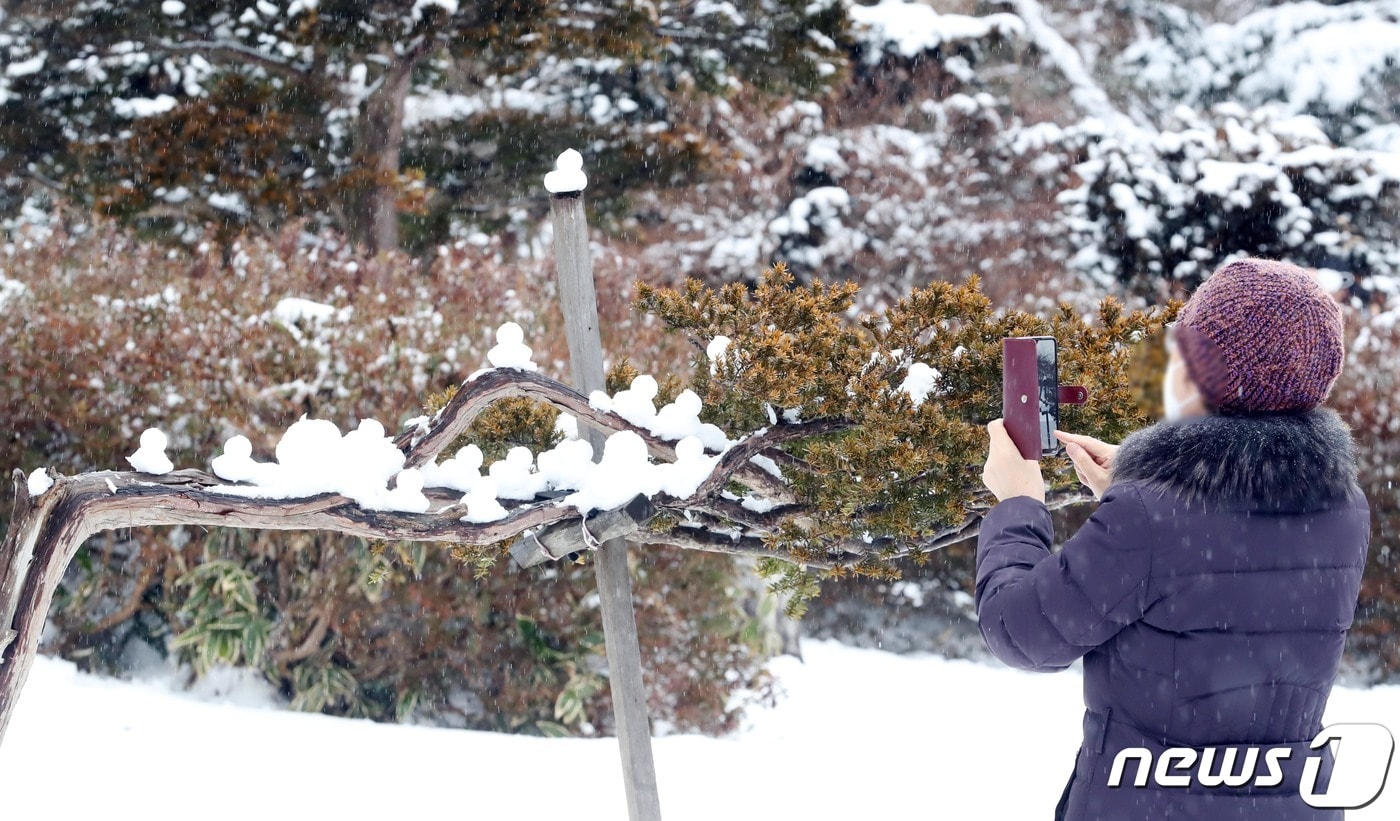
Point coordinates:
[(381, 146)]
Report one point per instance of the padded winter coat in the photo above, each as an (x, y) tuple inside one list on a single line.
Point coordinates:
[(1209, 596)]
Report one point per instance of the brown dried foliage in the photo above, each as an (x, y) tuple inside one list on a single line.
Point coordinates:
[(113, 335)]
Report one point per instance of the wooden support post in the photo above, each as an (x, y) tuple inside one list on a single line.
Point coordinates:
[(580, 304)]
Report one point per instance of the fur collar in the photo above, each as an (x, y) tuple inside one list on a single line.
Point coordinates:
[(1278, 462)]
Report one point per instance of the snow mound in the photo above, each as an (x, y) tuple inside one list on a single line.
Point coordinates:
[(419, 6), (461, 472), (150, 457), (39, 482), (313, 458), (481, 503), (510, 350), (920, 382)]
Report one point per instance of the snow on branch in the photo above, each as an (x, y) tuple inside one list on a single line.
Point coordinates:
[(239, 53), (913, 28), (424, 442)]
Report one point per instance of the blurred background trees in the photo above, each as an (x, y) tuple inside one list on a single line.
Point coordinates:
[(366, 114)]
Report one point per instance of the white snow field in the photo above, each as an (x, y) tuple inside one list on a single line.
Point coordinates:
[(860, 734)]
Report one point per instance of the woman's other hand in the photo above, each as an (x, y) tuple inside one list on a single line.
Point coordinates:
[(1093, 460), (1007, 473)]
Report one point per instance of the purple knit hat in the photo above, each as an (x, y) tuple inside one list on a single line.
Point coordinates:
[(1260, 336)]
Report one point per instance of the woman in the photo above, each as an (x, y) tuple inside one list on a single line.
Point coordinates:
[(1210, 592)]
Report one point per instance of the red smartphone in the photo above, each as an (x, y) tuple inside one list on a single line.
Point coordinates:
[(1031, 394)]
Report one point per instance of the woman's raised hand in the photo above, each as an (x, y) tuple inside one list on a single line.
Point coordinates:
[(1008, 473), (1092, 459)]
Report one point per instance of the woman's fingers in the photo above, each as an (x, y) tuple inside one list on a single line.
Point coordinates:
[(1000, 443), (1078, 438), (1101, 452), (1077, 455), (1006, 472), (1087, 469)]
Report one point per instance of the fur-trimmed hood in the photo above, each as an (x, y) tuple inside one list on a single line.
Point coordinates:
[(1279, 462)]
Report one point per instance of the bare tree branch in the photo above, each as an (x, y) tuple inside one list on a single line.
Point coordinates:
[(44, 180), (972, 527), (320, 626), (699, 538), (189, 497), (45, 533), (846, 553), (422, 447), (786, 461), (1087, 94), (238, 52), (732, 511), (130, 606)]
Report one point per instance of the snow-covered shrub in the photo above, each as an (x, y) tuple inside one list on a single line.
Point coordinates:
[(106, 335), (890, 177), (905, 52), (814, 229), (952, 194), (912, 30), (925, 166), (1339, 62), (1173, 205)]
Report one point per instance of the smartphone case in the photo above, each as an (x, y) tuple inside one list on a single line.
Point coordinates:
[(1020, 412)]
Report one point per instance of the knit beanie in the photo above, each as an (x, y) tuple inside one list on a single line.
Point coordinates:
[(1260, 336)]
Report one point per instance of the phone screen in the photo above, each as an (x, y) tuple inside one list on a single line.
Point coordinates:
[(1047, 368)]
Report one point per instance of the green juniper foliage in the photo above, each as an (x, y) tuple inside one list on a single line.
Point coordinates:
[(888, 472)]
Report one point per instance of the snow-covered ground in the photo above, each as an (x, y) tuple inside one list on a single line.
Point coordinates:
[(859, 734)]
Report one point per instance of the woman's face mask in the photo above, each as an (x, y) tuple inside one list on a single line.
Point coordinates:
[(1175, 407)]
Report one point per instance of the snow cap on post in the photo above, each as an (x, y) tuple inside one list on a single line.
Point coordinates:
[(567, 176)]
